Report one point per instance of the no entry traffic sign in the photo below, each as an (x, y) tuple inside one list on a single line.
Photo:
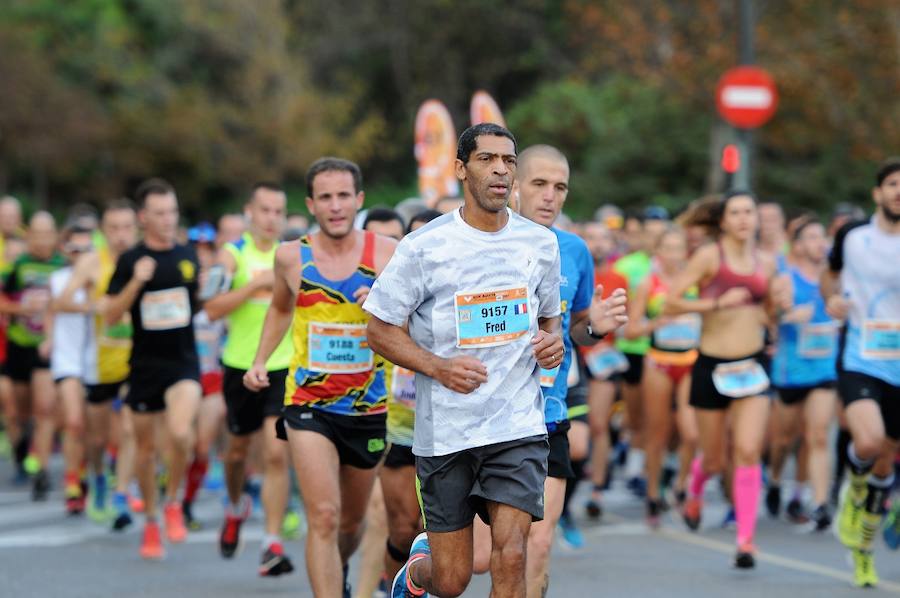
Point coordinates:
[(746, 97)]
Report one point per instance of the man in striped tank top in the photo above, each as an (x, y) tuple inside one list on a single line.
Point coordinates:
[(335, 395)]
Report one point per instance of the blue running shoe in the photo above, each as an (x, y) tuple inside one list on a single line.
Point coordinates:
[(891, 531), (400, 586), (571, 535), (730, 521)]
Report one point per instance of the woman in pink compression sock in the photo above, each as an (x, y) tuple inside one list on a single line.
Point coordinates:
[(739, 294)]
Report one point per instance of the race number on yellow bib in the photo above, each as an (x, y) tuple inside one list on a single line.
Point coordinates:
[(166, 309), (739, 379), (491, 318), (881, 339), (339, 348)]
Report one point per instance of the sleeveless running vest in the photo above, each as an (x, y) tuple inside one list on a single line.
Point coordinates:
[(676, 342), (726, 278), (246, 322), (332, 368), (113, 341)]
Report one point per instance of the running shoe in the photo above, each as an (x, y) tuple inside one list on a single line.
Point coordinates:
[(31, 464), (570, 534), (795, 512), (864, 574), (151, 544), (822, 518), (274, 562), (230, 537), (136, 503), (653, 511), (745, 557), (40, 486), (290, 526), (891, 531), (849, 520), (638, 486), (175, 530), (691, 512), (593, 508), (120, 507), (730, 520), (122, 521), (402, 585), (187, 509), (74, 499), (773, 500)]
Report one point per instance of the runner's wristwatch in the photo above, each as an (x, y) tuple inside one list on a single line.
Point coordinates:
[(593, 334)]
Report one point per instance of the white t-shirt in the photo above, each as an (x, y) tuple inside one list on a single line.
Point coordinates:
[(70, 332), (469, 292)]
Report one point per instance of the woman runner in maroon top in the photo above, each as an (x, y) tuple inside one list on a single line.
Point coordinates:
[(738, 295)]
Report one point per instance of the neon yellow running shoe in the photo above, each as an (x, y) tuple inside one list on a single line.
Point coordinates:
[(290, 527), (864, 574), (31, 465), (849, 521)]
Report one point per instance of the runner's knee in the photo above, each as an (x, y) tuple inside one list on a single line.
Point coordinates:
[(324, 518)]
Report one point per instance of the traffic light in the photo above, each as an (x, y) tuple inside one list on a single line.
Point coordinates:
[(731, 158)]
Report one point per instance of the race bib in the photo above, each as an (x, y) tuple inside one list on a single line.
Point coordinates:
[(166, 309), (38, 298), (817, 341), (403, 387), (881, 339), (339, 348), (491, 318), (604, 360), (681, 334), (739, 379), (548, 377)]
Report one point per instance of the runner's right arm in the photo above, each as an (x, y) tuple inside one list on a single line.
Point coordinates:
[(700, 267), (81, 279), (226, 302), (120, 302), (461, 374)]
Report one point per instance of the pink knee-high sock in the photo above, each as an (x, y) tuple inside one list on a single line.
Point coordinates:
[(746, 487), (698, 478)]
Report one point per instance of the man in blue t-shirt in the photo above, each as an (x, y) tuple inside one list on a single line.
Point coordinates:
[(542, 182)]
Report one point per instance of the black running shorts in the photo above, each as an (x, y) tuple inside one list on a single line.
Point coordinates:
[(454, 488)]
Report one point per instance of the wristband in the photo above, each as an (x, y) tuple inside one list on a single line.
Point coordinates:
[(592, 334)]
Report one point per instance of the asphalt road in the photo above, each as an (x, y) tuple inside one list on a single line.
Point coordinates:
[(44, 553)]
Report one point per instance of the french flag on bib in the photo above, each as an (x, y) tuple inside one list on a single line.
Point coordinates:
[(520, 308)]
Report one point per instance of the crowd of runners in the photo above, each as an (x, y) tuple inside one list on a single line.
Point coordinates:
[(430, 384)]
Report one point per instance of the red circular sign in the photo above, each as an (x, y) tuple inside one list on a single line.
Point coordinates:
[(746, 97)]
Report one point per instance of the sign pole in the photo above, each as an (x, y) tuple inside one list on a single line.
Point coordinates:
[(743, 178)]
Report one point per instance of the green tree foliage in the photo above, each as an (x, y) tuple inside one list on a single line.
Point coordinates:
[(630, 143), (214, 94)]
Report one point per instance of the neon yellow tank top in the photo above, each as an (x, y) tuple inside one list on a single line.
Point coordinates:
[(113, 341), (246, 322)]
